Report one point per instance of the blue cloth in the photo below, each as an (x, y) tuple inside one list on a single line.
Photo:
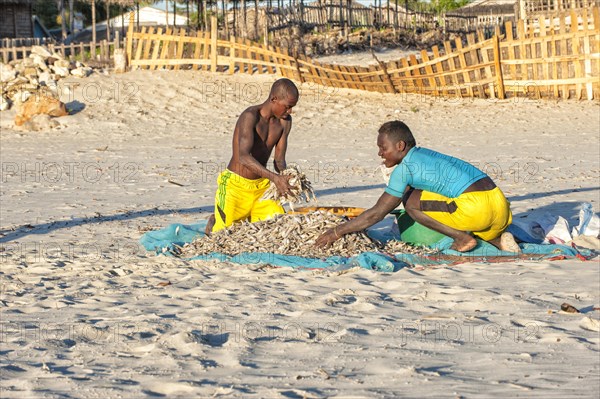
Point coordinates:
[(164, 241), (429, 170)]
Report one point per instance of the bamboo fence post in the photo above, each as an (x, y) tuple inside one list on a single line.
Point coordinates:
[(205, 49), (248, 56), (486, 60), (408, 81), (596, 19), (452, 67), (197, 49), (587, 63), (576, 52), (439, 77), (463, 66), (82, 51), (544, 41), (147, 45), (180, 45), (429, 71), (140, 44), (231, 54), (297, 65), (156, 48), (511, 50), (416, 73), (525, 75), (213, 43), (554, 49), (244, 66), (498, 67), (130, 38), (164, 51)]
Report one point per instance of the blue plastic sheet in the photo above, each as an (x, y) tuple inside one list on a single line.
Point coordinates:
[(164, 241)]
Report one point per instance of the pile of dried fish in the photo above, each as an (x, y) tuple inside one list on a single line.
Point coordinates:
[(288, 234), (400, 247), (301, 188)]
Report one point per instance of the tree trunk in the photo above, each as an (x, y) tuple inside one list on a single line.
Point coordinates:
[(71, 16), (167, 12), (107, 20), (244, 34), (255, 19), (94, 24), (198, 2), (63, 23)]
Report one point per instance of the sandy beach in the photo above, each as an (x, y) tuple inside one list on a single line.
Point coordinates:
[(86, 312)]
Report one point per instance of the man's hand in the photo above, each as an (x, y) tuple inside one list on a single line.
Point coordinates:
[(282, 183), (327, 238)]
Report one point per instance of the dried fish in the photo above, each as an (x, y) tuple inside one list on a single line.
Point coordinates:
[(301, 189), (288, 234)]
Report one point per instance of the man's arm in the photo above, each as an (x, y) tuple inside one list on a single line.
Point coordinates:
[(385, 204), (281, 148)]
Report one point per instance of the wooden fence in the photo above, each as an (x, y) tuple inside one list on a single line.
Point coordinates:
[(95, 53), (558, 59)]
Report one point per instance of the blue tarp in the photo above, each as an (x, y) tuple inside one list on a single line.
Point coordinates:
[(164, 241)]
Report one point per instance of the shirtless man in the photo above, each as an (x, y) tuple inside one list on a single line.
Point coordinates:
[(258, 130), (441, 192)]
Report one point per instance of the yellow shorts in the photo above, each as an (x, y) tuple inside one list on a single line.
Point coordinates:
[(486, 214), (238, 198)]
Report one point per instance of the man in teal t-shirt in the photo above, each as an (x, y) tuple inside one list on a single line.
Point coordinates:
[(441, 192)]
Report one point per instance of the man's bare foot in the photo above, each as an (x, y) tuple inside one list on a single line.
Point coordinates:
[(209, 224), (508, 243), (464, 243)]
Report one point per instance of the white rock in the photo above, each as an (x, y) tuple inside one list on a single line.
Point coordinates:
[(39, 62), (63, 63), (26, 63), (58, 56), (82, 72), (51, 88), (20, 96), (4, 103), (44, 77), (7, 73), (41, 51), (60, 71)]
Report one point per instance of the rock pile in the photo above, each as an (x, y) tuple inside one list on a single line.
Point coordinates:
[(37, 74)]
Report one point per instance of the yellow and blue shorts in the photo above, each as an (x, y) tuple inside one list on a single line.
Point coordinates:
[(238, 199), (486, 214)]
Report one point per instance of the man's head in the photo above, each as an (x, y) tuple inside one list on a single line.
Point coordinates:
[(394, 141), (283, 97)]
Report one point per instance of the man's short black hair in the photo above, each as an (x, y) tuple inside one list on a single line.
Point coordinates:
[(398, 131), (284, 88)]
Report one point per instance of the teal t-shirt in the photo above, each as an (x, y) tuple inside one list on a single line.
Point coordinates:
[(429, 170)]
